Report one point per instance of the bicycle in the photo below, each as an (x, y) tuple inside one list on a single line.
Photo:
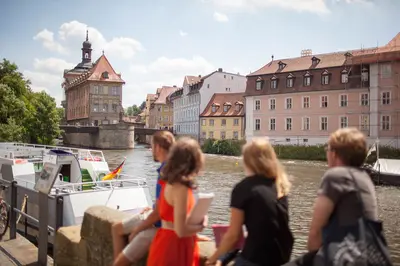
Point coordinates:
[(4, 214)]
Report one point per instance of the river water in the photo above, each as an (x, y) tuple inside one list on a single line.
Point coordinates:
[(221, 173)]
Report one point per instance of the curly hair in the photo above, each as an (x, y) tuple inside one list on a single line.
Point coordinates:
[(184, 162)]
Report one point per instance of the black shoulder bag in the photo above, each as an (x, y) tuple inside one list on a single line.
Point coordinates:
[(361, 244)]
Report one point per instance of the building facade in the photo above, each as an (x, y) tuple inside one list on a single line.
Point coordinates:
[(223, 117), (196, 93), (302, 100), (161, 110), (150, 98), (93, 91)]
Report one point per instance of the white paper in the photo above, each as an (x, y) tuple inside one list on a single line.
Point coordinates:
[(201, 208)]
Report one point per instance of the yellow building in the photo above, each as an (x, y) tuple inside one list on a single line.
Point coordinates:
[(161, 111), (223, 118)]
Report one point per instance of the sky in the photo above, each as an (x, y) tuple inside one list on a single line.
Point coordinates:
[(157, 42)]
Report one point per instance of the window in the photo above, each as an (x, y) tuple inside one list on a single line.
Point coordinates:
[(325, 78), (364, 74), (104, 75), (274, 84), (213, 108), (224, 76), (324, 123), (343, 100), (364, 99), (166, 118), (344, 122), (114, 107), (166, 108), (211, 134), (306, 102), (288, 103), (226, 108), (203, 122), (272, 104), (272, 124), (257, 105), (364, 122), (385, 122), (259, 83), (237, 107), (203, 135), (105, 107), (307, 80), (236, 121), (235, 135), (386, 98), (232, 77), (208, 86), (223, 135), (386, 70), (100, 89), (86, 55), (96, 89), (95, 107), (289, 82), (223, 122), (305, 140), (211, 122), (324, 101), (344, 77), (306, 123), (288, 124), (257, 124)]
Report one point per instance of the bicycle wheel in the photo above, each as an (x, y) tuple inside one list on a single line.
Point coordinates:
[(4, 218)]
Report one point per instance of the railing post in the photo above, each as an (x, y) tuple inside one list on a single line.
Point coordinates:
[(13, 214), (59, 212), (43, 229)]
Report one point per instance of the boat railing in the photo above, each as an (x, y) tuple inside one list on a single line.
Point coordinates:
[(100, 185), (24, 148)]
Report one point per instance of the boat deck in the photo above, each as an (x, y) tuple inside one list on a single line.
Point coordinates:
[(18, 252)]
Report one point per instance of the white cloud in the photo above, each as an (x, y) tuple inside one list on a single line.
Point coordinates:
[(73, 33), (182, 33), (145, 79), (43, 81), (53, 65), (47, 38), (220, 17)]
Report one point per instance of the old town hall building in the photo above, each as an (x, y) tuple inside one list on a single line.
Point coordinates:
[(93, 91)]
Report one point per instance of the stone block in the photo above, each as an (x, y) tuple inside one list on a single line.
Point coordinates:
[(70, 249)]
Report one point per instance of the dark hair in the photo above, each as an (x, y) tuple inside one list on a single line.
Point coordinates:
[(164, 139), (185, 160), (350, 145)]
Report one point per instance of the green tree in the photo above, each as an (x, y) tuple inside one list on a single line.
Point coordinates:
[(43, 121), (9, 75), (133, 110), (60, 111)]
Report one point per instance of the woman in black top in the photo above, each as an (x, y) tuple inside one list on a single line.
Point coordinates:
[(259, 202)]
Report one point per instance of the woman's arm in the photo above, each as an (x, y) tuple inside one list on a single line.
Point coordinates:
[(179, 195), (323, 209), (231, 237)]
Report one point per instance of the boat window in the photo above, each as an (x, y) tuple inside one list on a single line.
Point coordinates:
[(66, 172)]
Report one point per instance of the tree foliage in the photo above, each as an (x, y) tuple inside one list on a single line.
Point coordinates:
[(143, 105), (25, 116), (133, 110)]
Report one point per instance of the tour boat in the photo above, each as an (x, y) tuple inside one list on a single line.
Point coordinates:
[(383, 171), (80, 177)]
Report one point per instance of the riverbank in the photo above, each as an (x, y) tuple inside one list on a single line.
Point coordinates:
[(289, 152)]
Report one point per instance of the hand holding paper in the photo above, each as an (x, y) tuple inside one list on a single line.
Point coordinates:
[(199, 212)]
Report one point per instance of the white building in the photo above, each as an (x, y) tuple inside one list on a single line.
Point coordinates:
[(190, 101)]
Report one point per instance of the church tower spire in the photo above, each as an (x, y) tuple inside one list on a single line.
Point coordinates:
[(86, 50)]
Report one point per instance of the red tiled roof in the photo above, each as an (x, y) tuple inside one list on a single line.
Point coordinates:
[(326, 60), (191, 79), (103, 65), (165, 91), (151, 96), (221, 99)]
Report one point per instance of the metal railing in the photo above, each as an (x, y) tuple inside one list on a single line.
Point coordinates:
[(46, 203)]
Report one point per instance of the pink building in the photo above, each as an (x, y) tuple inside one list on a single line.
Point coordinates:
[(302, 100)]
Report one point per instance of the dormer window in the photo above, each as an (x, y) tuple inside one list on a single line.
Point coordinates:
[(289, 81), (307, 79), (237, 108), (214, 108), (315, 60), (281, 65), (344, 76), (325, 77), (274, 82), (259, 83), (104, 75), (347, 55), (226, 107)]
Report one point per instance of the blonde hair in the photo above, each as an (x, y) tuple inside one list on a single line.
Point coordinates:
[(260, 157)]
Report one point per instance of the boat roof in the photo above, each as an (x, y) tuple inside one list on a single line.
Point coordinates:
[(388, 166)]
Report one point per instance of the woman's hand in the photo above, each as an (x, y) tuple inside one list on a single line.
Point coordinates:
[(211, 262), (205, 221)]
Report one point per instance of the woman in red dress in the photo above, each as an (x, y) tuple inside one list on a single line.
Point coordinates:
[(175, 243)]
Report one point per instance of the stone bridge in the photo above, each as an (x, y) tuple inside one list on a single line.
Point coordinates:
[(139, 131)]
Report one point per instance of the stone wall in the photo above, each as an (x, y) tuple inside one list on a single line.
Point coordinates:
[(114, 136), (91, 243)]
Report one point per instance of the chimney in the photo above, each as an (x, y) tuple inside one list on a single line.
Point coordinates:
[(272, 57), (219, 69), (306, 52), (199, 76)]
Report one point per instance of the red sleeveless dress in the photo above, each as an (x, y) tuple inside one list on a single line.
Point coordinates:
[(167, 249)]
